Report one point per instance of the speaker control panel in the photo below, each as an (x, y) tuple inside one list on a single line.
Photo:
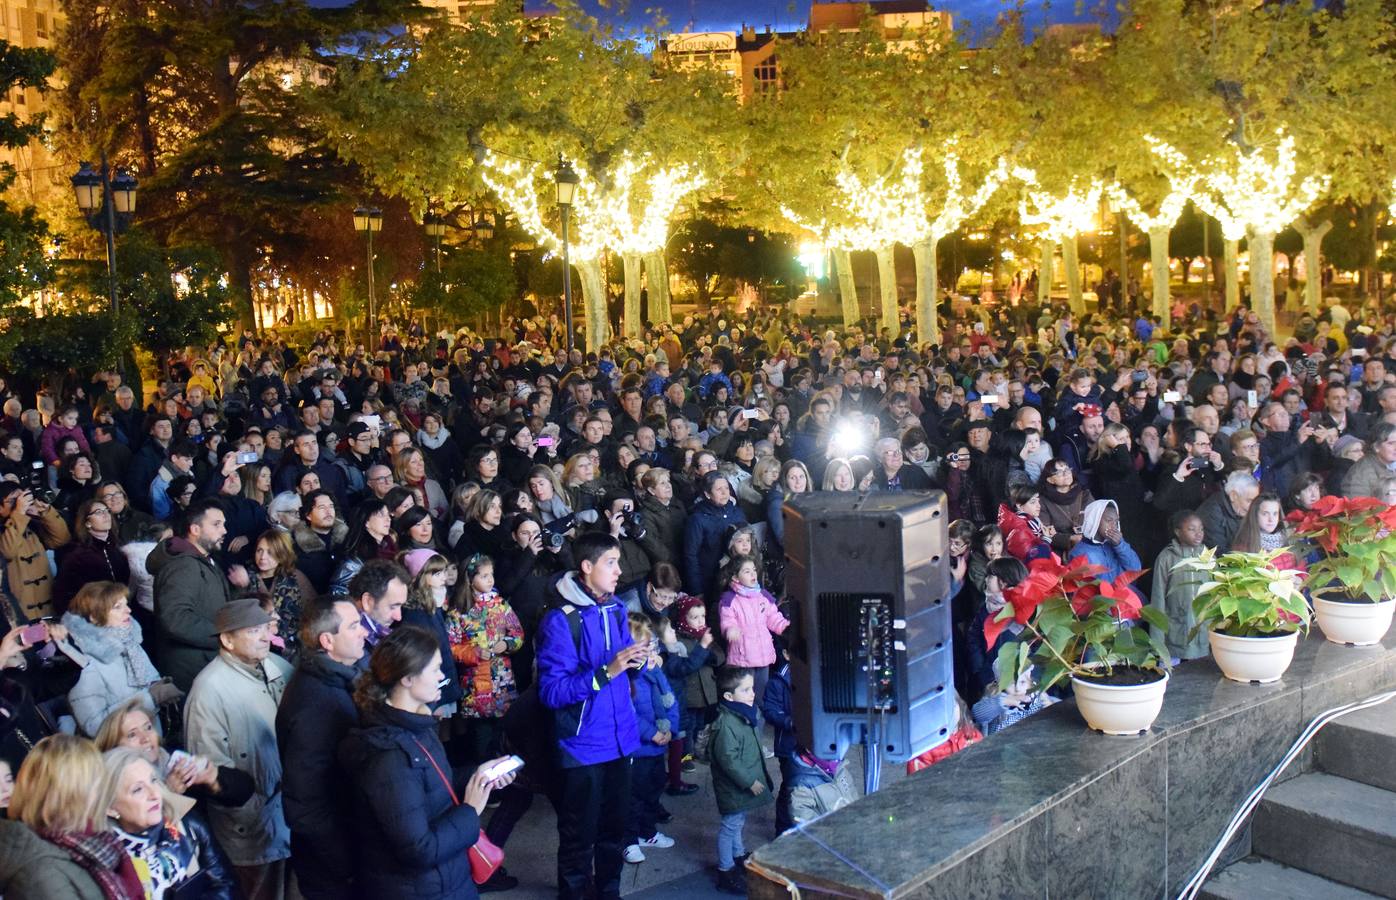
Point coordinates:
[(878, 643)]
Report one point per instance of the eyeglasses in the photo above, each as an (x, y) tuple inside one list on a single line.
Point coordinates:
[(98, 511)]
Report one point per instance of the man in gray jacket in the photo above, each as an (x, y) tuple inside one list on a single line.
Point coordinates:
[(190, 589), (231, 720)]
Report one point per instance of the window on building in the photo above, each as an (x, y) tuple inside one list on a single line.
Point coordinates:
[(767, 76), (41, 25)]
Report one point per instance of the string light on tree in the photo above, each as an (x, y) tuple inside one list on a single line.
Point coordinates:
[(1158, 227), (895, 209), (637, 225), (1255, 195), (517, 184), (1060, 217)]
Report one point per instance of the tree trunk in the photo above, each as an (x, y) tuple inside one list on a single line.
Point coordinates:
[(927, 290), (1072, 264), (633, 264), (887, 288), (593, 302), (1262, 248), (657, 280), (1044, 275), (1312, 235), (238, 257), (848, 291), (1231, 249), (1158, 257)]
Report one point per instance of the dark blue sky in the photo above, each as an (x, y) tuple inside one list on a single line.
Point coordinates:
[(791, 15)]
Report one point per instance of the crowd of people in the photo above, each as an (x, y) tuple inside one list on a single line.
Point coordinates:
[(323, 621)]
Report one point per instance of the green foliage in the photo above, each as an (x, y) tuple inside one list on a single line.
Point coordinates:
[(1246, 595), (1068, 644), (1357, 542), (199, 99), (24, 265), (49, 346), (471, 283)]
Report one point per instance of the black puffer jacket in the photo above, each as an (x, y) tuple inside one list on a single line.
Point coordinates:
[(410, 838)]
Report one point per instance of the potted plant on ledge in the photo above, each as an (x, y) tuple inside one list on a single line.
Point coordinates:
[(1077, 627), (1353, 585), (1253, 613)]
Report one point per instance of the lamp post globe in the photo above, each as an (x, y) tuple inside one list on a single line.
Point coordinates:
[(484, 228), (87, 187)]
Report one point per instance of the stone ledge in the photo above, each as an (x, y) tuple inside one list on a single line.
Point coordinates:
[(1049, 809)]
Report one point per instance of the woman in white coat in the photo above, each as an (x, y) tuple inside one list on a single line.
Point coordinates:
[(117, 668)]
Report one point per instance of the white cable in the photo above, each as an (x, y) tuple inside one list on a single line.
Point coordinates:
[(1191, 889)]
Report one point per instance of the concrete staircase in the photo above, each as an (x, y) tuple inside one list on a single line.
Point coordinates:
[(1329, 834)]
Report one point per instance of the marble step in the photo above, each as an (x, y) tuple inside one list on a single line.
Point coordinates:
[(1339, 829), (1255, 878), (1361, 746)]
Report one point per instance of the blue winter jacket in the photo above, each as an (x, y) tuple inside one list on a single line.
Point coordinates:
[(1116, 559), (593, 717), (702, 543), (779, 711), (656, 710)]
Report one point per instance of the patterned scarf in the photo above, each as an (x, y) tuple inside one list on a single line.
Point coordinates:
[(103, 857)]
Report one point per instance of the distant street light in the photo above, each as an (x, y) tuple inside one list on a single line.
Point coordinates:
[(435, 226), (567, 181), (367, 221)]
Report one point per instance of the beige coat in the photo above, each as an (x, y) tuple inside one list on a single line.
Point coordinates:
[(23, 543), (231, 719)]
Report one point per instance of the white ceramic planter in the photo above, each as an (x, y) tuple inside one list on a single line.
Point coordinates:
[(1253, 660), (1354, 624), (1119, 709)]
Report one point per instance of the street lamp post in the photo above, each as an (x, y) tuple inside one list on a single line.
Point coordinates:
[(435, 226), (107, 200), (567, 180), (367, 220)]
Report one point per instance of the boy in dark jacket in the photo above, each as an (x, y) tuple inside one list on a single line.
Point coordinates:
[(583, 679), (780, 713), (740, 781)]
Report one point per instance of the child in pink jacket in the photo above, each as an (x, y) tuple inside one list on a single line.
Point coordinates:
[(748, 616)]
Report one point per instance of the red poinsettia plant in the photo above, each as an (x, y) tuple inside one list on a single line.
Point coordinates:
[(1075, 624), (1357, 539)]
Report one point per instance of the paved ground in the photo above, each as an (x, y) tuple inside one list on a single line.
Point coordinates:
[(687, 871)]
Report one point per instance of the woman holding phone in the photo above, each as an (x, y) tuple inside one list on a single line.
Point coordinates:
[(413, 827)]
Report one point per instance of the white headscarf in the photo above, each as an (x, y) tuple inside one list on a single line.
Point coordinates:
[(1091, 516)]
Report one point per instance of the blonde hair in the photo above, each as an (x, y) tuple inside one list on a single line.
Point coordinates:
[(62, 787), (118, 760), (109, 733), (640, 628)]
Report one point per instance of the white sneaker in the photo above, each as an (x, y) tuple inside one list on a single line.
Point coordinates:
[(660, 841), (634, 855)]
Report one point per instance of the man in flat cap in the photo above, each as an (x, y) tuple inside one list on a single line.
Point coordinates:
[(231, 720)]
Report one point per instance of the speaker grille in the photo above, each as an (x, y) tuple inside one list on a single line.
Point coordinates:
[(843, 682)]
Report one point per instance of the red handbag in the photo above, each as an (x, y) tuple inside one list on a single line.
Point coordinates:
[(485, 858)]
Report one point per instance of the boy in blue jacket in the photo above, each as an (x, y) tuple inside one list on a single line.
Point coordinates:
[(585, 655), (657, 714)]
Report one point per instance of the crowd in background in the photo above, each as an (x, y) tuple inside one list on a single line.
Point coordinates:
[(288, 625)]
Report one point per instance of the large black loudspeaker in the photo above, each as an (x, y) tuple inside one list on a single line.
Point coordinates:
[(870, 637)]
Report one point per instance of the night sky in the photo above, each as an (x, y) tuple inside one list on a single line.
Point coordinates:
[(785, 15)]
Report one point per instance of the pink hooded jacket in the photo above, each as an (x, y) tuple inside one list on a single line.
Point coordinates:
[(757, 617)]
